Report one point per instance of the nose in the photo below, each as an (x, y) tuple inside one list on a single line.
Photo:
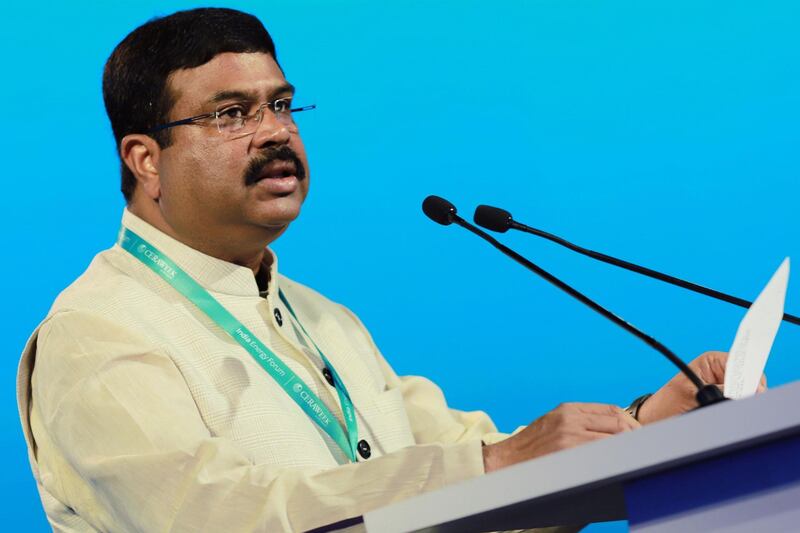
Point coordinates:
[(270, 131)]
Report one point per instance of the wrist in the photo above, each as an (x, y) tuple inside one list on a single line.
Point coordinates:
[(635, 408), (491, 461)]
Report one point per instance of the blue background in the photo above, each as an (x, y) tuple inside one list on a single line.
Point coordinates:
[(663, 132)]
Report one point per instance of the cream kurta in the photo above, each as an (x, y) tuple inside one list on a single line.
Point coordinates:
[(141, 415)]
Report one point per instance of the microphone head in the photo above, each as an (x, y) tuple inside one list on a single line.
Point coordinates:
[(493, 218), (439, 210)]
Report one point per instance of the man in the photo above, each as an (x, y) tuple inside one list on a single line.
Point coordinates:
[(182, 384)]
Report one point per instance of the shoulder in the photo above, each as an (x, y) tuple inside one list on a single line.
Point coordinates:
[(93, 318), (88, 306), (73, 344), (111, 281)]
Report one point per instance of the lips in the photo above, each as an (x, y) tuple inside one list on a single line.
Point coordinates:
[(277, 178), (277, 170), (274, 163)]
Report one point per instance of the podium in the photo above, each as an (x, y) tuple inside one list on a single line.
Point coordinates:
[(732, 467)]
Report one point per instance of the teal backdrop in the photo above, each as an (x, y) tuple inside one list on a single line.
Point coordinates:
[(664, 132)]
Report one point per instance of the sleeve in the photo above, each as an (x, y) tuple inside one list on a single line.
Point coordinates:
[(432, 421), (120, 440)]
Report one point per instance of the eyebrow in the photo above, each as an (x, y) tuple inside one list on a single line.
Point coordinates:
[(250, 96)]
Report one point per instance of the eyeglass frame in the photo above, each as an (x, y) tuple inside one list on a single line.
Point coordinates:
[(215, 115)]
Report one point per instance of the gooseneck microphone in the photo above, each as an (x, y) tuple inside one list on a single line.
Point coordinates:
[(500, 220), (443, 212)]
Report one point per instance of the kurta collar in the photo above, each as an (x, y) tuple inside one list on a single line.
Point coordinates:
[(212, 273)]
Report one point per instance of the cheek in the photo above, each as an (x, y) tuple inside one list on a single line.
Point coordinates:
[(198, 173)]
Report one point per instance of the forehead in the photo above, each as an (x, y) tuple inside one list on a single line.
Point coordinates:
[(251, 72)]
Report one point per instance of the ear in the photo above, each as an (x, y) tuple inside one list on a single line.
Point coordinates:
[(141, 153)]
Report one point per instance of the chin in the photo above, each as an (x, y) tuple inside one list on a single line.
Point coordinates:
[(280, 210), (280, 220)]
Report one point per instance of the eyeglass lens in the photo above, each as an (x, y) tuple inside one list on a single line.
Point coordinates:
[(232, 120)]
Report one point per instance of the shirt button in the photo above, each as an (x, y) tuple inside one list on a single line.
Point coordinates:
[(278, 316), (364, 449), (328, 376)]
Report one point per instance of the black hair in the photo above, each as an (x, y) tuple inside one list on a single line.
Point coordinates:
[(135, 90)]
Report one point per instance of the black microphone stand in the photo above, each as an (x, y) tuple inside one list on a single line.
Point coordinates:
[(443, 212)]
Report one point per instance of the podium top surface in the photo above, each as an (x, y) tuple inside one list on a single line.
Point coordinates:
[(584, 484)]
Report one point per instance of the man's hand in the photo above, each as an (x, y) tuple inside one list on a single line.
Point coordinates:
[(678, 394), (568, 425)]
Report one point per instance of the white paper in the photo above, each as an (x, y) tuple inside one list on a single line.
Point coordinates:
[(754, 338)]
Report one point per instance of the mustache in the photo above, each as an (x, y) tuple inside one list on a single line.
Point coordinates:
[(267, 156)]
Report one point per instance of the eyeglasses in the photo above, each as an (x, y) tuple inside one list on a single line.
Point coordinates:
[(231, 119)]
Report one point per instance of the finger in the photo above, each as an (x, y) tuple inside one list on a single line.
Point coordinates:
[(615, 419), (711, 366), (603, 409), (596, 408), (610, 424), (762, 386), (617, 415)]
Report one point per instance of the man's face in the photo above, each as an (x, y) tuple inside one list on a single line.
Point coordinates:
[(218, 187)]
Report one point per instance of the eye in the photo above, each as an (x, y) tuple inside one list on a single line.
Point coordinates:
[(282, 105), (232, 112)]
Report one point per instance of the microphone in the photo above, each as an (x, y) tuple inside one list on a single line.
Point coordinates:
[(500, 220), (440, 210), (443, 212)]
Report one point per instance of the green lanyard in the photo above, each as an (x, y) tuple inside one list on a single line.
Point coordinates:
[(294, 386)]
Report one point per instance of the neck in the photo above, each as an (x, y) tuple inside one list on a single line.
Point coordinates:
[(246, 253)]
